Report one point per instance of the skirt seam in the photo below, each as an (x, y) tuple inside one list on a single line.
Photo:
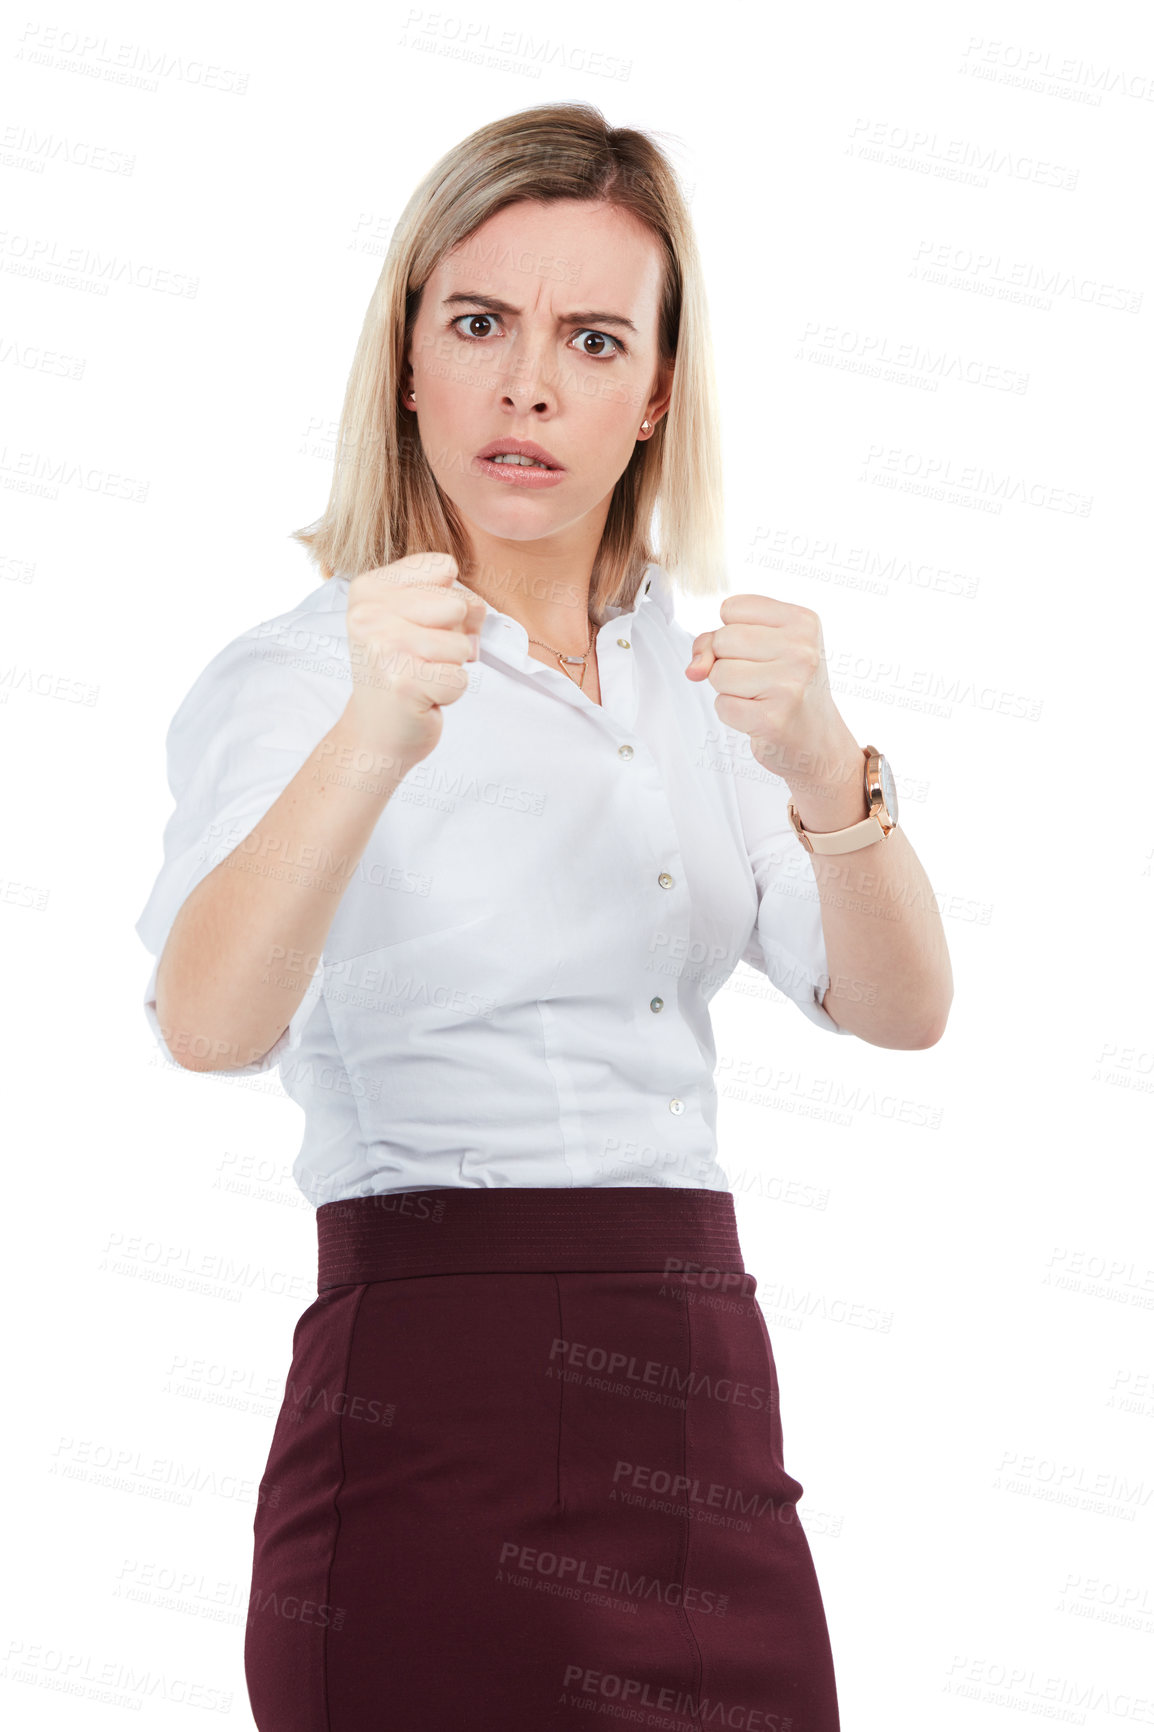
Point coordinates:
[(337, 1508), (686, 1532), (559, 1497)]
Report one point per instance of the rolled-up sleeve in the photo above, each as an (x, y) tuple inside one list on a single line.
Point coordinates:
[(239, 736), (787, 943)]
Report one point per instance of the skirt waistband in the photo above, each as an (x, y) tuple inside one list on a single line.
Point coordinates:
[(452, 1230)]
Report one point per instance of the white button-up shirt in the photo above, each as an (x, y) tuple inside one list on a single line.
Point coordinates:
[(515, 987)]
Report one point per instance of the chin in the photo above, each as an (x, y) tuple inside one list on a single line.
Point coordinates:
[(522, 517)]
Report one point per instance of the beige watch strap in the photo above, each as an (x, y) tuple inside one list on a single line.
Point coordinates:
[(871, 828), (858, 835)]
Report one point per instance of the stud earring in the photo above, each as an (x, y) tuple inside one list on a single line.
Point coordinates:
[(645, 426)]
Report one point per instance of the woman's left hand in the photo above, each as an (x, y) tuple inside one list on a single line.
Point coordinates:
[(767, 662)]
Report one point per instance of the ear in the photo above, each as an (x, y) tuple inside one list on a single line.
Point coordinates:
[(662, 394)]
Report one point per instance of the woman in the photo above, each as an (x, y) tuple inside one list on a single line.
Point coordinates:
[(464, 843)]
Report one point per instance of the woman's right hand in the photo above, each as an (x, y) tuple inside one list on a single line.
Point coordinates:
[(412, 626)]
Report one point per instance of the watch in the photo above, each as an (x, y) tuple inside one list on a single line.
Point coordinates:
[(882, 800)]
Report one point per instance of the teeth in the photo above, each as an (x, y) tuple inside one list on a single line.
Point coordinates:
[(525, 462)]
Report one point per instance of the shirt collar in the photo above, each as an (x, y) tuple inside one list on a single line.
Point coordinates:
[(656, 587), (655, 591)]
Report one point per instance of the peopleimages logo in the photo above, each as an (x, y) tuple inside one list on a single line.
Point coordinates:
[(691, 1492), (649, 1378), (607, 1578), (580, 1683)]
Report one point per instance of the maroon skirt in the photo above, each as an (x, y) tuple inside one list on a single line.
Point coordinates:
[(528, 1471)]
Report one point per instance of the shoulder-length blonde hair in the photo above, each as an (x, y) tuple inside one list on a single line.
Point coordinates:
[(385, 501)]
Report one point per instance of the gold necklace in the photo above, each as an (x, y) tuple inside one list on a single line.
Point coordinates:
[(563, 658)]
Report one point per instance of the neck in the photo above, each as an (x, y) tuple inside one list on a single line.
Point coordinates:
[(552, 609)]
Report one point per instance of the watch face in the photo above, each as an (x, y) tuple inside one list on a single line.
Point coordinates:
[(889, 792)]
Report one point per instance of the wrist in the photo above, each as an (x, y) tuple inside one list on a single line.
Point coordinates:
[(826, 782), (349, 747)]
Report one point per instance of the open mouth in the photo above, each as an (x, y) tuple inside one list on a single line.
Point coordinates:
[(511, 453), (519, 463)]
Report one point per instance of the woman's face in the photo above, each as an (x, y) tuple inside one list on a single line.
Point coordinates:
[(541, 326)]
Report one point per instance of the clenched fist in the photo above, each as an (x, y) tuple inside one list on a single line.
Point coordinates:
[(412, 627)]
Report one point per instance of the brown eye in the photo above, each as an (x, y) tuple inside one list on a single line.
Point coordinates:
[(600, 337), (474, 319)]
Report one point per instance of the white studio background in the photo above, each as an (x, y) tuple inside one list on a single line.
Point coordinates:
[(927, 245)]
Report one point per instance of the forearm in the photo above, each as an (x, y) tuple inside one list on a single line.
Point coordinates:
[(890, 977), (248, 939)]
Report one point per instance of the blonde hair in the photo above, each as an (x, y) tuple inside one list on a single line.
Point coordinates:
[(385, 501)]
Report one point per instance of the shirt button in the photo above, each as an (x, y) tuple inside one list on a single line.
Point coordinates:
[(656, 1004), (625, 751), (624, 642), (676, 1106), (665, 879)]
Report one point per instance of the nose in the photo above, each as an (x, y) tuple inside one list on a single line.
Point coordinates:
[(529, 382)]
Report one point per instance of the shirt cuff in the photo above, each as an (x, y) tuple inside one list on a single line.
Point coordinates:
[(286, 1043), (800, 983)]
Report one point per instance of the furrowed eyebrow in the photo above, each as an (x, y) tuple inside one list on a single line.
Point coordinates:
[(492, 305)]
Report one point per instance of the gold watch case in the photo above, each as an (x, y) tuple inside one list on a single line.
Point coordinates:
[(880, 819)]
